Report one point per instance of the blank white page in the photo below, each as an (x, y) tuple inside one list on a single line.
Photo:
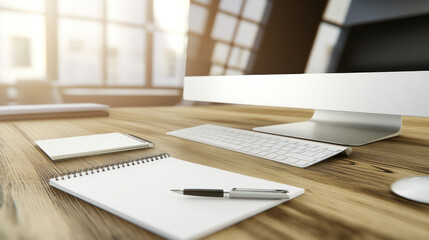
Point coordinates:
[(141, 194)]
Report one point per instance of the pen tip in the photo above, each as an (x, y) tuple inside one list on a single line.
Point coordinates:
[(177, 191)]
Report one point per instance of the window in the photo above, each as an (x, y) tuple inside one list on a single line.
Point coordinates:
[(22, 40), (106, 43), (229, 30)]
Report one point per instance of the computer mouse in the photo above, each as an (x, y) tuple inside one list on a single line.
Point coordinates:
[(413, 188)]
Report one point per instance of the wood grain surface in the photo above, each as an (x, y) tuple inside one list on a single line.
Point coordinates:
[(346, 197)]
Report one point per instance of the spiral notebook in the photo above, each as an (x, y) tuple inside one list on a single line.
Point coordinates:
[(139, 192)]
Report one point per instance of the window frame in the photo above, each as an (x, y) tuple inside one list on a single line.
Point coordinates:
[(214, 10)]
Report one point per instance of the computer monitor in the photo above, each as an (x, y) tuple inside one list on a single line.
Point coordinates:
[(360, 71)]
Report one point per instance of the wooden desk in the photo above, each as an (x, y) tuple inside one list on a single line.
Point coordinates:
[(346, 197)]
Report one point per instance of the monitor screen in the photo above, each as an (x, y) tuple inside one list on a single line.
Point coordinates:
[(243, 37)]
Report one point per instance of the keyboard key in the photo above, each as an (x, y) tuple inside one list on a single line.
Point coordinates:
[(246, 149), (273, 150), (282, 152), (301, 163), (302, 157), (255, 151), (310, 154), (264, 153), (280, 158), (272, 155), (290, 160)]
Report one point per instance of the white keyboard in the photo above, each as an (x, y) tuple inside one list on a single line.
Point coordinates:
[(295, 152)]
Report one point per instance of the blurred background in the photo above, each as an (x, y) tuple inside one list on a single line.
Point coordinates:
[(133, 52), (117, 52)]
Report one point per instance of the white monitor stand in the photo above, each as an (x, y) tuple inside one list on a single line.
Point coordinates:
[(346, 128), (351, 108)]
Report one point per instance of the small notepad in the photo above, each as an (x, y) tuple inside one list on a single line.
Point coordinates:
[(139, 192), (62, 148)]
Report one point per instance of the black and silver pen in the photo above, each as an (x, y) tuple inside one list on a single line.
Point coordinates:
[(248, 193)]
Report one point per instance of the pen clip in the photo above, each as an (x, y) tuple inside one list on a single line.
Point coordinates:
[(260, 190)]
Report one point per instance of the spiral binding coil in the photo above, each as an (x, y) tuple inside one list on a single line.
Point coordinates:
[(109, 167)]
